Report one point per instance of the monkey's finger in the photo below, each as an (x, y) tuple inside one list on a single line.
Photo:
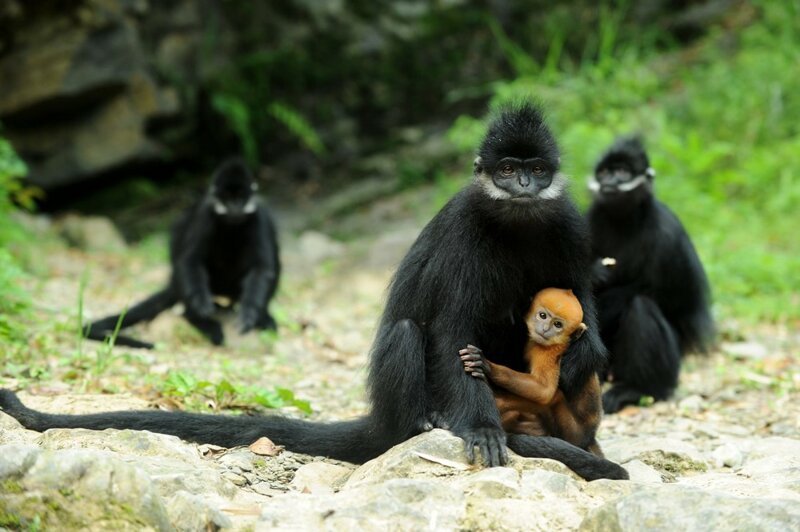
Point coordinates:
[(496, 452), (485, 453), (469, 447)]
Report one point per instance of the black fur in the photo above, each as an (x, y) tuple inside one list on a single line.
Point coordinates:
[(468, 278), (233, 253), (654, 303)]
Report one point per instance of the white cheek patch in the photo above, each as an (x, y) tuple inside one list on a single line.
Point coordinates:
[(220, 207), (251, 206), (630, 185), (491, 190), (555, 189), (592, 184)]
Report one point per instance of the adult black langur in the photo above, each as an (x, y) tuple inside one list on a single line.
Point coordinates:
[(652, 293), (468, 279), (223, 245)]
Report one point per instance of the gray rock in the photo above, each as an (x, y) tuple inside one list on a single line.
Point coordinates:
[(315, 247), (15, 460), (12, 432), (491, 483), (670, 508), (172, 464), (241, 459), (90, 233), (522, 515), (320, 477), (745, 349), (641, 472), (539, 482), (777, 486), (667, 455), (445, 457), (398, 504), (189, 512), (82, 489), (132, 442), (727, 455)]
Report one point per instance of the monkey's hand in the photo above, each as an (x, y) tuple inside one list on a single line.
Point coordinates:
[(253, 318), (475, 363), (248, 317), (491, 441), (201, 304)]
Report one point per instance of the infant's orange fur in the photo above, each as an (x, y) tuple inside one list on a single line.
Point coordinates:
[(531, 403)]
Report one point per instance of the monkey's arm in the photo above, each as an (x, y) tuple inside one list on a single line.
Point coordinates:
[(261, 281), (191, 275), (539, 386)]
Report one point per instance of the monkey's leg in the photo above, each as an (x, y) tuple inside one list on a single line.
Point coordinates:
[(210, 327), (257, 289), (646, 358), (397, 383), (595, 449)]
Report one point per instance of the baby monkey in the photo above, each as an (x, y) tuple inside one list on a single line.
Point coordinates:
[(532, 403)]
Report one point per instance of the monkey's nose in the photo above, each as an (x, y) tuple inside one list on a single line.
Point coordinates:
[(524, 180)]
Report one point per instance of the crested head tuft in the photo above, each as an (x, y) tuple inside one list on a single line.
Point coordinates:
[(518, 130)]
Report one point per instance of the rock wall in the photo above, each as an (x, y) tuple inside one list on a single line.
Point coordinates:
[(82, 92)]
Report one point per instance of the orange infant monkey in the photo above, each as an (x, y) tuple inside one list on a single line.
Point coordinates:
[(531, 403)]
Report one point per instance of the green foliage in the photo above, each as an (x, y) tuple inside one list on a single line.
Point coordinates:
[(722, 131), (237, 114), (14, 301), (298, 125), (197, 394)]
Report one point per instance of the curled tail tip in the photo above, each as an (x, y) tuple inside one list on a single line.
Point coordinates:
[(10, 403)]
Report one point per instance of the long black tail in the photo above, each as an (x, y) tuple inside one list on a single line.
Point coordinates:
[(354, 441), (584, 463), (144, 311)]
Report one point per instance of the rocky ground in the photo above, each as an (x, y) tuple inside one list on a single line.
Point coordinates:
[(723, 455)]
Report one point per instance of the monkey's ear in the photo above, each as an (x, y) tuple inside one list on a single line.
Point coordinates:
[(578, 332), (477, 166)]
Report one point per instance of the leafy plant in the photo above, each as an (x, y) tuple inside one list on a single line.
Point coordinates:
[(198, 393), (14, 301)]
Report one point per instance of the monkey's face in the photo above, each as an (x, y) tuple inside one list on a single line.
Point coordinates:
[(513, 178), (623, 173), (547, 328), (233, 197), (555, 317)]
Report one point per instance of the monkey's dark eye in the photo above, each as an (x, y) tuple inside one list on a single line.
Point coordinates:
[(542, 316), (538, 170), (557, 324), (508, 169)]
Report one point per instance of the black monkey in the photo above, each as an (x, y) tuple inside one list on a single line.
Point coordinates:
[(468, 278), (223, 245), (652, 293)]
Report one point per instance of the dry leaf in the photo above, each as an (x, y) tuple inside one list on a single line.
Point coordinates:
[(444, 461), (208, 449), (265, 447)]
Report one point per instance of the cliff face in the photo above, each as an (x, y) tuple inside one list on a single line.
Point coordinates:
[(82, 89)]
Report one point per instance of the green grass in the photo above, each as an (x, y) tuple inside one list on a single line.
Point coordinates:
[(200, 394), (722, 131)]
